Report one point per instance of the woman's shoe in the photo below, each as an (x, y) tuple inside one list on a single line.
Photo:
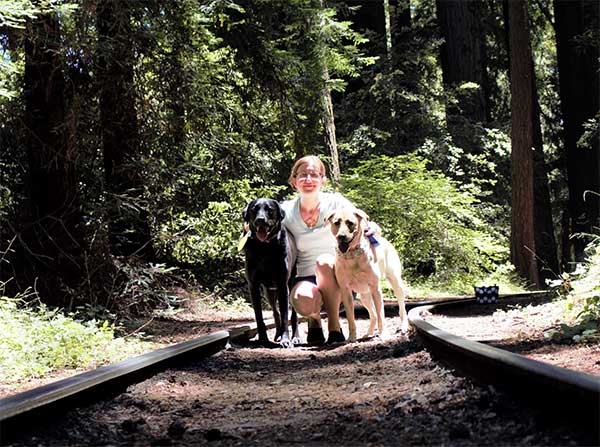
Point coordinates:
[(335, 337), (315, 336)]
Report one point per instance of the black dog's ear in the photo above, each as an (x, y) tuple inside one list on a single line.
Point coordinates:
[(245, 212), (281, 212)]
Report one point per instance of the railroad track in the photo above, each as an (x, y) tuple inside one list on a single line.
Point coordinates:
[(548, 387), (537, 383)]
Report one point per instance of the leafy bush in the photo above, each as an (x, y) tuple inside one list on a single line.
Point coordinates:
[(36, 340), (144, 288), (427, 217), (484, 164), (581, 292), (208, 239)]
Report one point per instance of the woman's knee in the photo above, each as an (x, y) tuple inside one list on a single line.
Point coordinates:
[(325, 273), (306, 299)]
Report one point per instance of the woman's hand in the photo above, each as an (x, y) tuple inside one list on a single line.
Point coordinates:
[(372, 229)]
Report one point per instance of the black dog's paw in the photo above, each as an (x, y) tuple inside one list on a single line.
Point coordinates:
[(285, 342), (296, 341), (265, 342)]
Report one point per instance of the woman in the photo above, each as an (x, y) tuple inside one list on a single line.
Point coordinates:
[(315, 283)]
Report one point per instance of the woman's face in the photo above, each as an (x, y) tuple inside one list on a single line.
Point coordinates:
[(309, 179)]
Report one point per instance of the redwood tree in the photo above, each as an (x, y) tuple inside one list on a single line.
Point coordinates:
[(402, 18), (532, 247), (463, 55), (579, 97), (51, 238), (129, 231)]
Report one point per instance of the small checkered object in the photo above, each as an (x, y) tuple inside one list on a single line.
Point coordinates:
[(486, 294)]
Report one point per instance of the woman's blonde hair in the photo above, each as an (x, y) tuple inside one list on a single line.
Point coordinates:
[(307, 159)]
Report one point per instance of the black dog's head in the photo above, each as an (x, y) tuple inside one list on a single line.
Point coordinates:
[(264, 216)]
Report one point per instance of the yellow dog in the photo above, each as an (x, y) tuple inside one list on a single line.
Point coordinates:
[(360, 266)]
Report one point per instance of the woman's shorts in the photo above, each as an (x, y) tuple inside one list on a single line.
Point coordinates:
[(298, 279)]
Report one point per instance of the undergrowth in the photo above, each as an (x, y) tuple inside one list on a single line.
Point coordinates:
[(580, 291), (504, 276), (36, 340), (437, 226)]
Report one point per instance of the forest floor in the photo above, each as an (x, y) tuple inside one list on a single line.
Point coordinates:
[(373, 392)]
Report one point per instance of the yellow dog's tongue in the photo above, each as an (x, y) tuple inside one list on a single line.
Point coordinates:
[(343, 246)]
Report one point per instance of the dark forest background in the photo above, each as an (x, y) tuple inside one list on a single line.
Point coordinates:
[(133, 133)]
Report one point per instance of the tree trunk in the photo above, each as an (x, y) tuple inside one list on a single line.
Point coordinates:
[(388, 31), (545, 240), (328, 121), (579, 96), (329, 132), (52, 243), (369, 18), (176, 73), (129, 232), (522, 247), (402, 19), (463, 55)]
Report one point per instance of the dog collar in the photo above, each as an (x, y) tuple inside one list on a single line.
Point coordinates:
[(355, 252)]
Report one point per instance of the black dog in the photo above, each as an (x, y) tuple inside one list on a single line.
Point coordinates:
[(269, 261)]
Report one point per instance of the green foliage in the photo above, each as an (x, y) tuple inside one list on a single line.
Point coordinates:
[(228, 131), (284, 49), (36, 340), (504, 276), (13, 13), (6, 199), (591, 134), (581, 293), (485, 172), (144, 288), (402, 107), (208, 239), (231, 304), (427, 217)]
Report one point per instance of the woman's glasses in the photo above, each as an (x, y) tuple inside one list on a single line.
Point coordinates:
[(304, 176)]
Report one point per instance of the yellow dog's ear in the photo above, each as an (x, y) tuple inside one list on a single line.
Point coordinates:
[(361, 214), (364, 218), (329, 216)]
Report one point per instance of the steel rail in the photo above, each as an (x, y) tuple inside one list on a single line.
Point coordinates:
[(20, 409), (556, 391)]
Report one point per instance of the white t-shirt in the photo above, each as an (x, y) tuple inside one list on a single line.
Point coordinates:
[(312, 242)]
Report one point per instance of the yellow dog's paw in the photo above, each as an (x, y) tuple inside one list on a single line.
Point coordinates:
[(404, 326)]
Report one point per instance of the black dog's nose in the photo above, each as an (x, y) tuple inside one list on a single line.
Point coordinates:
[(260, 221)]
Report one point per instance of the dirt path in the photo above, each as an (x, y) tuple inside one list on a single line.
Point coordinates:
[(368, 393)]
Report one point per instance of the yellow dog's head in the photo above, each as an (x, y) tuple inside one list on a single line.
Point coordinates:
[(347, 225)]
